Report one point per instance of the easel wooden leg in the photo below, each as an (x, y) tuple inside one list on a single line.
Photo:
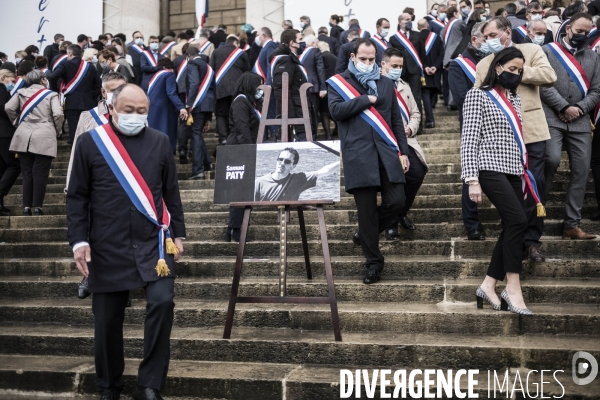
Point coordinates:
[(328, 272), (237, 273), (304, 242)]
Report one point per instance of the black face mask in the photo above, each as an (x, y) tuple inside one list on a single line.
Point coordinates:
[(509, 80), (301, 48), (578, 40)]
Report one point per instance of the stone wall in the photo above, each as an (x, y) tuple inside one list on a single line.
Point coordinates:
[(182, 14)]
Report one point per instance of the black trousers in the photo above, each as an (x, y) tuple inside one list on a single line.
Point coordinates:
[(294, 111), (414, 81), (505, 193), (429, 95), (469, 210), (10, 168), (414, 179), (35, 169), (373, 219), (445, 86), (222, 114), (537, 162), (72, 117), (109, 314), (184, 132), (313, 108), (595, 164), (236, 217)]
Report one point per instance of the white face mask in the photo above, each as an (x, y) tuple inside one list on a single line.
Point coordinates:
[(385, 32), (363, 68), (108, 42), (442, 16), (139, 41), (94, 59), (536, 17), (109, 97), (434, 13), (153, 46), (131, 124), (394, 73), (302, 25), (539, 40)]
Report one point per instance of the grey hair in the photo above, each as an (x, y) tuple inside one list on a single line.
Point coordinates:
[(531, 24), (520, 4), (205, 33), (477, 31), (501, 22), (288, 23), (35, 77), (117, 92), (534, 6), (112, 76)]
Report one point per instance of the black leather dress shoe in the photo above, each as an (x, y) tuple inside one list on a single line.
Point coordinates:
[(407, 223), (182, 158), (535, 254), (145, 394), (429, 125), (27, 211), (373, 276), (110, 396), (391, 234), (83, 290), (38, 211), (476, 234), (356, 239)]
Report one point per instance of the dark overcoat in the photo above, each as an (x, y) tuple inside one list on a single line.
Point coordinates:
[(313, 62), (362, 147), (226, 86), (85, 95), (433, 59), (124, 244), (196, 71)]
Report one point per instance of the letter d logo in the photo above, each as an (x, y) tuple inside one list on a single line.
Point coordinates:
[(583, 366)]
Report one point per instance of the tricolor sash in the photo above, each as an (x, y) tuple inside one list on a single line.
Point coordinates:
[(429, 42), (246, 47), (204, 86), (182, 68), (403, 107), (233, 57), (274, 62), (155, 78), (19, 83), (572, 66), (204, 46), (380, 42), (258, 114), (100, 119), (149, 57), (136, 188), (561, 29), (370, 115), (522, 30), (500, 100), (303, 70), (190, 40), (449, 28), (167, 48), (304, 54), (72, 85), (362, 33), (33, 102), (595, 45), (137, 48), (257, 69), (58, 61), (409, 48), (468, 67), (593, 31), (44, 70), (438, 22)]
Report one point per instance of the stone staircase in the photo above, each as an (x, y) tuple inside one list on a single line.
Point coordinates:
[(421, 315)]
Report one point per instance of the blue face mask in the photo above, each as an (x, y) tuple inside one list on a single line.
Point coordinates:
[(495, 45), (10, 86), (154, 46), (394, 73), (485, 48), (131, 124)]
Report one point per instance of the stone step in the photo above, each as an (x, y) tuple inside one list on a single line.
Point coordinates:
[(206, 232), (546, 290), (62, 378), (269, 345), (402, 318), (397, 267)]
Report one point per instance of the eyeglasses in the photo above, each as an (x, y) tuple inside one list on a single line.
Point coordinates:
[(286, 161)]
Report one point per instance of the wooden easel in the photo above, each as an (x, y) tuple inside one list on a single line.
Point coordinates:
[(284, 208)]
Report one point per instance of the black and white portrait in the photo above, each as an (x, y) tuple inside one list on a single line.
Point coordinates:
[(297, 171)]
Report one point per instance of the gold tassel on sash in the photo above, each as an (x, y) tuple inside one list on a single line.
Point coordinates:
[(171, 248), (541, 210), (162, 269), (190, 120), (402, 163)]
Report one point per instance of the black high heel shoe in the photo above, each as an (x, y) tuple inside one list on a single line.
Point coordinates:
[(480, 294)]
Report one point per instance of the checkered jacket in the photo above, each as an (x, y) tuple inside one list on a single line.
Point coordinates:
[(487, 141)]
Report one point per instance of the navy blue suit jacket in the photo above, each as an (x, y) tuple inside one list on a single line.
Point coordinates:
[(343, 57), (263, 59), (85, 95), (148, 70), (313, 63), (196, 71), (135, 58)]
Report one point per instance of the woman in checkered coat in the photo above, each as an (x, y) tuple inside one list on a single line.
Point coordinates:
[(491, 161)]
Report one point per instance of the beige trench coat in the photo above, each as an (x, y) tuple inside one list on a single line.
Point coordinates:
[(38, 132), (415, 119)]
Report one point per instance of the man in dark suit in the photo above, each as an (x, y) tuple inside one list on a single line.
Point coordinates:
[(412, 72), (370, 164), (344, 53), (135, 50), (201, 110), (353, 26), (148, 67), (334, 44), (229, 63), (312, 61), (51, 50), (289, 62), (103, 220), (83, 96), (219, 36), (381, 44), (264, 40)]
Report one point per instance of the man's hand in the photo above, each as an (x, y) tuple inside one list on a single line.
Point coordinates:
[(322, 93), (372, 99), (183, 114), (406, 163), (82, 256), (328, 169), (407, 131), (475, 193), (572, 113), (206, 127), (433, 70), (179, 243)]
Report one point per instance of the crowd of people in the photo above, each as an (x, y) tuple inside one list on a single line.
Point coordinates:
[(524, 84)]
